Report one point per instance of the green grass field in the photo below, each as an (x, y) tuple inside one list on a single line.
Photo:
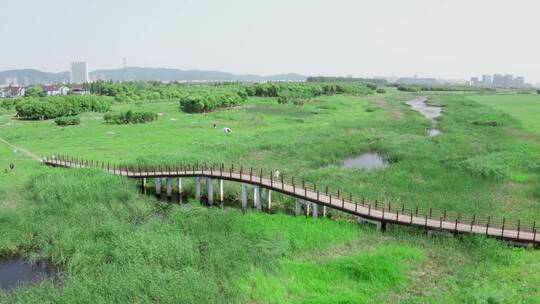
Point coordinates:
[(525, 108), (115, 246)]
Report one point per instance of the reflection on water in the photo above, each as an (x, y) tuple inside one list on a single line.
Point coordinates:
[(16, 271), (367, 161), (429, 112)]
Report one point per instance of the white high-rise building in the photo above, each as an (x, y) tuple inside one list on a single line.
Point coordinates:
[(79, 72), (487, 80)]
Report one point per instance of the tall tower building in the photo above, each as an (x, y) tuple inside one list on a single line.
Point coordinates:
[(498, 80), (487, 80), (79, 72), (508, 80)]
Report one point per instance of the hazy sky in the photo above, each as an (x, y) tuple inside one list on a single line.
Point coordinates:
[(442, 38)]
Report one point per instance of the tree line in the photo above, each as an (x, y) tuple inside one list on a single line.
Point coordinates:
[(346, 79), (306, 90), (437, 87)]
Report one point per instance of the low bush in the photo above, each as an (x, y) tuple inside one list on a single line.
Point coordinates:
[(130, 117), (58, 106), (68, 121), (381, 91), (204, 102), (283, 99), (372, 86), (297, 101), (9, 103), (404, 88)]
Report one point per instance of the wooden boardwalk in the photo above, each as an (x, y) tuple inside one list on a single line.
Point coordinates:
[(384, 213)]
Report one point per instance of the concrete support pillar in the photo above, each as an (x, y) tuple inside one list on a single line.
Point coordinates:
[(308, 206), (268, 199), (143, 185), (254, 198), (258, 197), (169, 187), (324, 211), (157, 181), (297, 209), (209, 191), (381, 226), (244, 196), (179, 187), (198, 188), (221, 191), (315, 210)]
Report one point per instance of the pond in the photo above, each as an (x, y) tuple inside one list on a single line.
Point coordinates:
[(419, 104), (430, 112), (368, 161), (16, 271)]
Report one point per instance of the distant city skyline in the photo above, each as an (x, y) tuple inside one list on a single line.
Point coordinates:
[(500, 80), (79, 73), (436, 39)]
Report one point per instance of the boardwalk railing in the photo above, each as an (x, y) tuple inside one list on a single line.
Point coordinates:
[(376, 211)]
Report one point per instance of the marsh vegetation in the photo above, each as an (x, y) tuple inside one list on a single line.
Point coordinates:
[(118, 246)]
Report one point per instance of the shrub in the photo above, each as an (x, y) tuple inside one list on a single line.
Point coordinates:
[(34, 91), (297, 101), (372, 86), (381, 91), (538, 91), (283, 99), (68, 121), (58, 106), (130, 117), (208, 101), (404, 88), (9, 103)]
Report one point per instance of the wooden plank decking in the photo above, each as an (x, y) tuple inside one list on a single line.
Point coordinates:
[(361, 209)]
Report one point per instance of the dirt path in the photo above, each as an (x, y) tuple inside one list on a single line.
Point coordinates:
[(23, 150)]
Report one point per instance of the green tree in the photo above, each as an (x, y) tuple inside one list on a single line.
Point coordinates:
[(33, 91)]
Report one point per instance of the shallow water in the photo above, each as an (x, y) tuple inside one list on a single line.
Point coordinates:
[(429, 112), (16, 271), (367, 161)]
